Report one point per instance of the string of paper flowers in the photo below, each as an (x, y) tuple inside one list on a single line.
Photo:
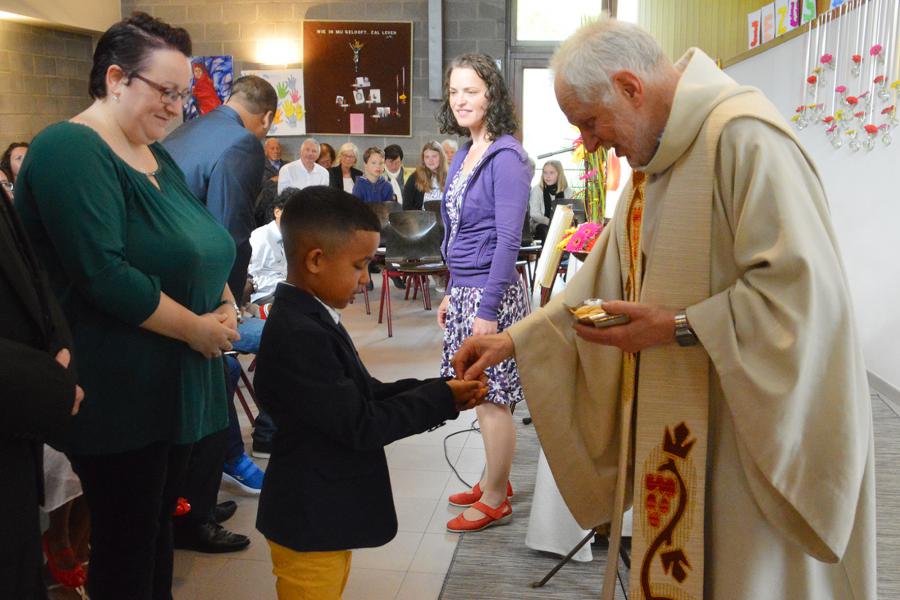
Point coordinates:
[(851, 83)]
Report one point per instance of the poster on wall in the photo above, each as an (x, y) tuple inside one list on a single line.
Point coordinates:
[(290, 116), (768, 23), (211, 81), (753, 29), (358, 77), (809, 11), (784, 21)]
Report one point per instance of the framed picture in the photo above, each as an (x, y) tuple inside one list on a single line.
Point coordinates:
[(372, 61), (211, 81), (290, 116)]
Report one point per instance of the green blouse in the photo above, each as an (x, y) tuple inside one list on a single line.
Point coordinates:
[(111, 241)]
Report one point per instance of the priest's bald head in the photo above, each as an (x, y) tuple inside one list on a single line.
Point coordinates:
[(615, 83)]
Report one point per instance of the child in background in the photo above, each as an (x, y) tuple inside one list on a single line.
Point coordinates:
[(327, 487), (372, 187)]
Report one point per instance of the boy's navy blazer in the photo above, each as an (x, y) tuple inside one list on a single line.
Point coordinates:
[(327, 485)]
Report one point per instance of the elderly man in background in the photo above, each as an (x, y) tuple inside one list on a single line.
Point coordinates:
[(305, 171), (741, 339), (273, 163), (450, 147)]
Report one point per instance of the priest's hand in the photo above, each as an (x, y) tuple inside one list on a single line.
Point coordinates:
[(649, 326), (480, 352)]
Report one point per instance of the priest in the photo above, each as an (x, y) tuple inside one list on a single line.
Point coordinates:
[(732, 410)]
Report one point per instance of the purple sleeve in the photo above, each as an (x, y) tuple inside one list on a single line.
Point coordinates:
[(511, 185)]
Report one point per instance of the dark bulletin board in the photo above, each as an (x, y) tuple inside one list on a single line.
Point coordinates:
[(357, 77)]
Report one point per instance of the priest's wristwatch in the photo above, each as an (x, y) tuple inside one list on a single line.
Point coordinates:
[(684, 334)]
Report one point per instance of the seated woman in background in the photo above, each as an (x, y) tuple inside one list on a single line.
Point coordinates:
[(326, 155), (344, 174), (427, 183), (372, 187), (12, 159), (552, 188)]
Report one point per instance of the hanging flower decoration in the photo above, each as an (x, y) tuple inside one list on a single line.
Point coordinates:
[(812, 80), (896, 86), (860, 114), (856, 58), (827, 60), (890, 109), (828, 120), (876, 50), (852, 100), (839, 115), (871, 129), (841, 89), (879, 80), (831, 129)]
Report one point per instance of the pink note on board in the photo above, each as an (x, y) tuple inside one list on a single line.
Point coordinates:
[(357, 123)]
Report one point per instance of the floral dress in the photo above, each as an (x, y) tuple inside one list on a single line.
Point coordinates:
[(504, 385)]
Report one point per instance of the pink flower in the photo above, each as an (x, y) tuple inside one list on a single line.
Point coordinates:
[(875, 50), (826, 59), (879, 80), (840, 89), (589, 175), (800, 108), (860, 114), (831, 129)]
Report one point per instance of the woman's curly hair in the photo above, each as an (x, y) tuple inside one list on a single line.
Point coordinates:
[(500, 117)]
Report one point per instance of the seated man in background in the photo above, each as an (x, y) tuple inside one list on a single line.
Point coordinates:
[(305, 171), (394, 171), (273, 163)]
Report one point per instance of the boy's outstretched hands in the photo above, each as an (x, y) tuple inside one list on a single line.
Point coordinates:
[(468, 394)]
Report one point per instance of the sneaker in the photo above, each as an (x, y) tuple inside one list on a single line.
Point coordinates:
[(262, 449), (245, 474)]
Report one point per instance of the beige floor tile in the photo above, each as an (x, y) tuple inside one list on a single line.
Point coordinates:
[(197, 569), (434, 553), (244, 579), (396, 555), (470, 460), (413, 514), (434, 438), (422, 458), (372, 584), (421, 586), (408, 483)]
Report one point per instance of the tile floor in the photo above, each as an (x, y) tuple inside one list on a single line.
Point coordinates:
[(413, 565)]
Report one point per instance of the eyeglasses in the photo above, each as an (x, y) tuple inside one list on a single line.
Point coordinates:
[(167, 95), (7, 185)]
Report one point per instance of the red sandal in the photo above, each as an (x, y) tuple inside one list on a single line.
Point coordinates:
[(467, 499), (501, 515), (74, 577)]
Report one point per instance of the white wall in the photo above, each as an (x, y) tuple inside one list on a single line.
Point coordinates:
[(864, 193), (91, 15)]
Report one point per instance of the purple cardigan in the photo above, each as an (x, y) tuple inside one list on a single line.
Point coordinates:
[(487, 243)]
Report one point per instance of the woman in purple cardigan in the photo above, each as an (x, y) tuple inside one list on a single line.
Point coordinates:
[(483, 211)]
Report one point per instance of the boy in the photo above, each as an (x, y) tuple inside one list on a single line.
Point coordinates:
[(372, 187), (327, 487)]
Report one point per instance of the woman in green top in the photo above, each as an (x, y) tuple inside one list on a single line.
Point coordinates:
[(140, 267)]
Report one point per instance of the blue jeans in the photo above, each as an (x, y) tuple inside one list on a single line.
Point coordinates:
[(251, 332)]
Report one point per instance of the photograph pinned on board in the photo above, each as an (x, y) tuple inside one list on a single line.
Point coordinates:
[(375, 96), (212, 77), (359, 97), (339, 100)]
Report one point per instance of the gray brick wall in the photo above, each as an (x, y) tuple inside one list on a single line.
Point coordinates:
[(43, 79), (233, 27)]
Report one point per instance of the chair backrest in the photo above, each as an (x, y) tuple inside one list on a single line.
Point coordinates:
[(412, 236), (383, 209)]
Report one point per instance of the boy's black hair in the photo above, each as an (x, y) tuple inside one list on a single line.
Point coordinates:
[(324, 216), (393, 151)]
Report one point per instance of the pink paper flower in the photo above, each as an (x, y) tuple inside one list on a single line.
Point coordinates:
[(826, 59), (860, 114), (875, 50), (840, 89), (879, 80), (800, 108), (589, 175), (831, 129)]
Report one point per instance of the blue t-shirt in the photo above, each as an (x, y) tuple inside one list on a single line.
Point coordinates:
[(380, 191)]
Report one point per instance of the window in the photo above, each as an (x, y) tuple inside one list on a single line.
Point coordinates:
[(552, 21)]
